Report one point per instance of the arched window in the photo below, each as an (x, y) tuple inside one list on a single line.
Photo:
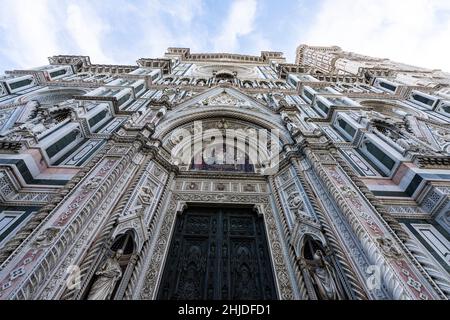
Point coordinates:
[(224, 158)]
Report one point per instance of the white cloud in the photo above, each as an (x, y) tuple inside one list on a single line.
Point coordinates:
[(185, 10), (410, 31), (414, 31), (87, 29), (27, 28), (157, 31), (32, 30), (239, 22)]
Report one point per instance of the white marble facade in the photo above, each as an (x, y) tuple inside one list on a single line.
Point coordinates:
[(98, 161)]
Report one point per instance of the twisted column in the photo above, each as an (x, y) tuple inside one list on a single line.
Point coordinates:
[(334, 243), (298, 271), (92, 259)]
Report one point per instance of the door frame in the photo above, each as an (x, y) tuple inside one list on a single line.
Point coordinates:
[(155, 260), (215, 208)]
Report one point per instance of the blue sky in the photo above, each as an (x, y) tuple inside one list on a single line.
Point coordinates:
[(113, 31)]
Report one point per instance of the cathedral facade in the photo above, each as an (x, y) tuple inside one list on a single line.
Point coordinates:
[(225, 176)]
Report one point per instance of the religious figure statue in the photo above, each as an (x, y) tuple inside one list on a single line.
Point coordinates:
[(324, 278), (107, 277)]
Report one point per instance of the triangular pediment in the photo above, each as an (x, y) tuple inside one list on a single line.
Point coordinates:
[(224, 97)]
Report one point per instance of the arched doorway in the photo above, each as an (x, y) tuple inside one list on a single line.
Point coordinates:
[(218, 253)]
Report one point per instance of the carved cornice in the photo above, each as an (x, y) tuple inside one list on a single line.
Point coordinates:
[(433, 162), (164, 64)]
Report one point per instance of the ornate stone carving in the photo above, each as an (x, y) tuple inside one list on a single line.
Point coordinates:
[(348, 192), (46, 237), (107, 277), (99, 163), (163, 238), (146, 195), (93, 183), (389, 248), (224, 98)]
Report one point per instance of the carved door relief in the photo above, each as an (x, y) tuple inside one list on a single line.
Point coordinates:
[(218, 253)]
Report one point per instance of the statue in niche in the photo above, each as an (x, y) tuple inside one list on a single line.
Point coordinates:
[(324, 278), (107, 277)]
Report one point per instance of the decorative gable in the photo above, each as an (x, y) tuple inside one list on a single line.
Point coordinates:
[(224, 98)]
